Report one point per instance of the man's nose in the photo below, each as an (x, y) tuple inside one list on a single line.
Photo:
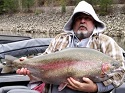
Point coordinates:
[(82, 20)]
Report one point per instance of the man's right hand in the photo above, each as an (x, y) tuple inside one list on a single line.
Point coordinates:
[(23, 71)]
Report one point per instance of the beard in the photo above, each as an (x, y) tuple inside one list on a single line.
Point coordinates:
[(83, 34)]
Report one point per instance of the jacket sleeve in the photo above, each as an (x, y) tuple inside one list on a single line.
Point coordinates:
[(111, 48), (60, 42), (104, 89)]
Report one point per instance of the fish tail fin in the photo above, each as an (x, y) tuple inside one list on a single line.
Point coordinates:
[(8, 61), (6, 64), (10, 58), (7, 69)]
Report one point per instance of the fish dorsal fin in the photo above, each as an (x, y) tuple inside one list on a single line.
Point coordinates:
[(62, 86)]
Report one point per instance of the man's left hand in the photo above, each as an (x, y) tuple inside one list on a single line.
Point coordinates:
[(86, 86)]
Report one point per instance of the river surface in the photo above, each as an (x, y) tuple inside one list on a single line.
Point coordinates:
[(119, 40)]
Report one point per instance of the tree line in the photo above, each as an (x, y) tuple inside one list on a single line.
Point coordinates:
[(14, 6)]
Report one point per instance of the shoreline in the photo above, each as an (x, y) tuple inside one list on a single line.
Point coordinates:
[(53, 21)]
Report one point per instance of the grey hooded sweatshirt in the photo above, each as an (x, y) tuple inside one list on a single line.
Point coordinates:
[(86, 8)]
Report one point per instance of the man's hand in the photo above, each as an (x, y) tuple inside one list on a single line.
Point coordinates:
[(23, 71), (86, 86)]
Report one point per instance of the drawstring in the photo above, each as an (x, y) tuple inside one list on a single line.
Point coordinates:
[(96, 36), (73, 41)]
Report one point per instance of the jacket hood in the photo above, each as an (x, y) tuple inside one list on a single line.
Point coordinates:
[(86, 8)]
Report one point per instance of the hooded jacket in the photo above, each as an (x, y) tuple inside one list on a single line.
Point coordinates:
[(86, 8)]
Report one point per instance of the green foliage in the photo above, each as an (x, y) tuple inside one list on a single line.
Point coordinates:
[(63, 6), (92, 2), (77, 1), (10, 6), (37, 12), (1, 6), (105, 6), (123, 8), (27, 4)]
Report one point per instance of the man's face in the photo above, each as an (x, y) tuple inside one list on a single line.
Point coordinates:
[(83, 25)]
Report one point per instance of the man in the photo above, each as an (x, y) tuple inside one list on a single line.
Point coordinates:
[(83, 29)]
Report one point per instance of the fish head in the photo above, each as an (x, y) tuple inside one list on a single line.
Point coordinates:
[(109, 67), (116, 76), (106, 70)]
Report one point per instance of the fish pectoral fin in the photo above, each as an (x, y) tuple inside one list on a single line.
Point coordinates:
[(62, 86)]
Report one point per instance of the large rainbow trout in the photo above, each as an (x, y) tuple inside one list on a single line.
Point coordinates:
[(56, 67)]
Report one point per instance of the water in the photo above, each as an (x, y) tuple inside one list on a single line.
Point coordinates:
[(33, 35), (119, 40)]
